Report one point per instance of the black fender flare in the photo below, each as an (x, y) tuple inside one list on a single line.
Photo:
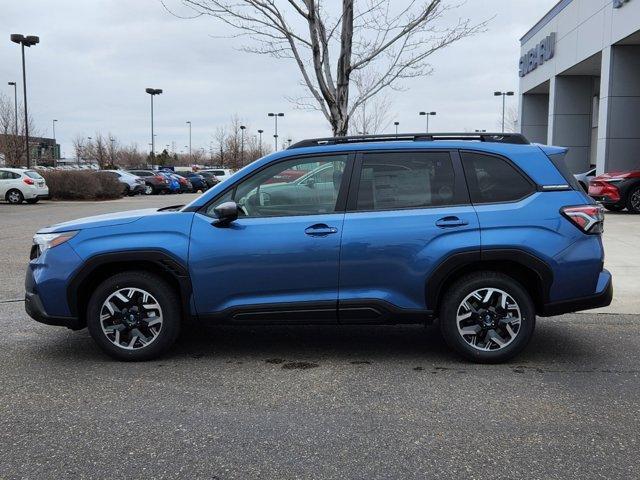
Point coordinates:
[(485, 257), (163, 261)]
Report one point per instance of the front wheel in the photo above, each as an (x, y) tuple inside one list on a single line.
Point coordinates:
[(487, 317), (148, 189), (134, 316), (633, 200)]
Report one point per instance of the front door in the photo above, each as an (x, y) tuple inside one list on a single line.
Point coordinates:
[(278, 262), (407, 212)]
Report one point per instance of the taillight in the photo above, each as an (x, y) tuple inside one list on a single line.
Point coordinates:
[(588, 218), (28, 181)]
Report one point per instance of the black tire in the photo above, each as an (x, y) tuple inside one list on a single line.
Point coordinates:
[(451, 303), (614, 208), (633, 200), (14, 196), (32, 200), (149, 190), (165, 296)]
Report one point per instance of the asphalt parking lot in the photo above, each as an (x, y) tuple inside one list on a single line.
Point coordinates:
[(317, 402)]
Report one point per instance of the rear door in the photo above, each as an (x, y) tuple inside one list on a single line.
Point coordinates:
[(407, 211)]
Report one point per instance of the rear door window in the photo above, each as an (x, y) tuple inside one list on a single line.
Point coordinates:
[(493, 179), (399, 180)]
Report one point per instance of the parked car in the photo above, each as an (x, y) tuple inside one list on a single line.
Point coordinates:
[(174, 183), (220, 173), (183, 182), (209, 178), (617, 190), (585, 177), (483, 235), (131, 184), (198, 182), (154, 183), (19, 185)]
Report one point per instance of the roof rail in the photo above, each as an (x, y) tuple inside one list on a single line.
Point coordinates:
[(513, 138)]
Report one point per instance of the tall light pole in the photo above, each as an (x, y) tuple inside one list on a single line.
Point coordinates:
[(504, 95), (153, 92), (260, 141), (15, 101), (427, 114), (25, 41), (189, 123), (242, 128), (53, 127), (275, 116), (396, 124)]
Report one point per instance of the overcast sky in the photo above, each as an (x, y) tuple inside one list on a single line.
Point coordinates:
[(97, 56)]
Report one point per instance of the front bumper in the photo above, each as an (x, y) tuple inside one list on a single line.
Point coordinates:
[(35, 309), (602, 298)]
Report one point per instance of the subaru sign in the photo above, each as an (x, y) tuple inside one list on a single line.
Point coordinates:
[(541, 53)]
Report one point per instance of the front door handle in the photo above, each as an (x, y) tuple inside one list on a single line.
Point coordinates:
[(451, 222), (320, 230)]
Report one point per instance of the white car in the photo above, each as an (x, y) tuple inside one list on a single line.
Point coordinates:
[(220, 173), (18, 185)]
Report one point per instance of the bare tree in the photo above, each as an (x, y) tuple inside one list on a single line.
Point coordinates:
[(511, 120), (371, 116), (376, 36), (13, 146)]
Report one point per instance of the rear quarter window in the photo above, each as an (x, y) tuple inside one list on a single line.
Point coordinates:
[(32, 174), (493, 179), (558, 159)]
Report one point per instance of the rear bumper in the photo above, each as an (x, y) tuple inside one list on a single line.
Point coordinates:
[(602, 298)]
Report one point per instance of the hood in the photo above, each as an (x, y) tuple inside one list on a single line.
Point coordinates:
[(105, 220)]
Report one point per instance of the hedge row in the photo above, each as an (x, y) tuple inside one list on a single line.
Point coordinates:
[(81, 185)]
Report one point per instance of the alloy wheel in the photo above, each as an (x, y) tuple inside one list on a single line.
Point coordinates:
[(488, 319), (635, 199), (148, 190), (13, 197), (131, 318)]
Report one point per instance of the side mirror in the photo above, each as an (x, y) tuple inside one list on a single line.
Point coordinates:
[(226, 213)]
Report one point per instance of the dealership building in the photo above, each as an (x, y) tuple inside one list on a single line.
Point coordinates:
[(580, 82)]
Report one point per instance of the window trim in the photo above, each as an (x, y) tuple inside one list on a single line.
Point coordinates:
[(461, 192), (342, 193), (535, 188)]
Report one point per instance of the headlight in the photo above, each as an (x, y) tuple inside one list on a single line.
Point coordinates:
[(45, 241)]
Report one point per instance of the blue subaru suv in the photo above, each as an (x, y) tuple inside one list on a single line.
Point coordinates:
[(482, 232)]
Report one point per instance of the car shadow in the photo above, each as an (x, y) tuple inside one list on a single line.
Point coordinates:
[(554, 344)]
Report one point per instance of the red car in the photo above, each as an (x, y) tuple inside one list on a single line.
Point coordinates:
[(617, 190)]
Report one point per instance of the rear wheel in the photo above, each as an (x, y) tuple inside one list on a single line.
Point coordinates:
[(134, 316), (14, 196), (148, 189), (633, 200), (487, 317)]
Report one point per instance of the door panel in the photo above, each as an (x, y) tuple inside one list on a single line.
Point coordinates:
[(261, 262), (389, 255)]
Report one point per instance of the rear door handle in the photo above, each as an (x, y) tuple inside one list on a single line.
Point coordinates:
[(320, 230), (451, 222)]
